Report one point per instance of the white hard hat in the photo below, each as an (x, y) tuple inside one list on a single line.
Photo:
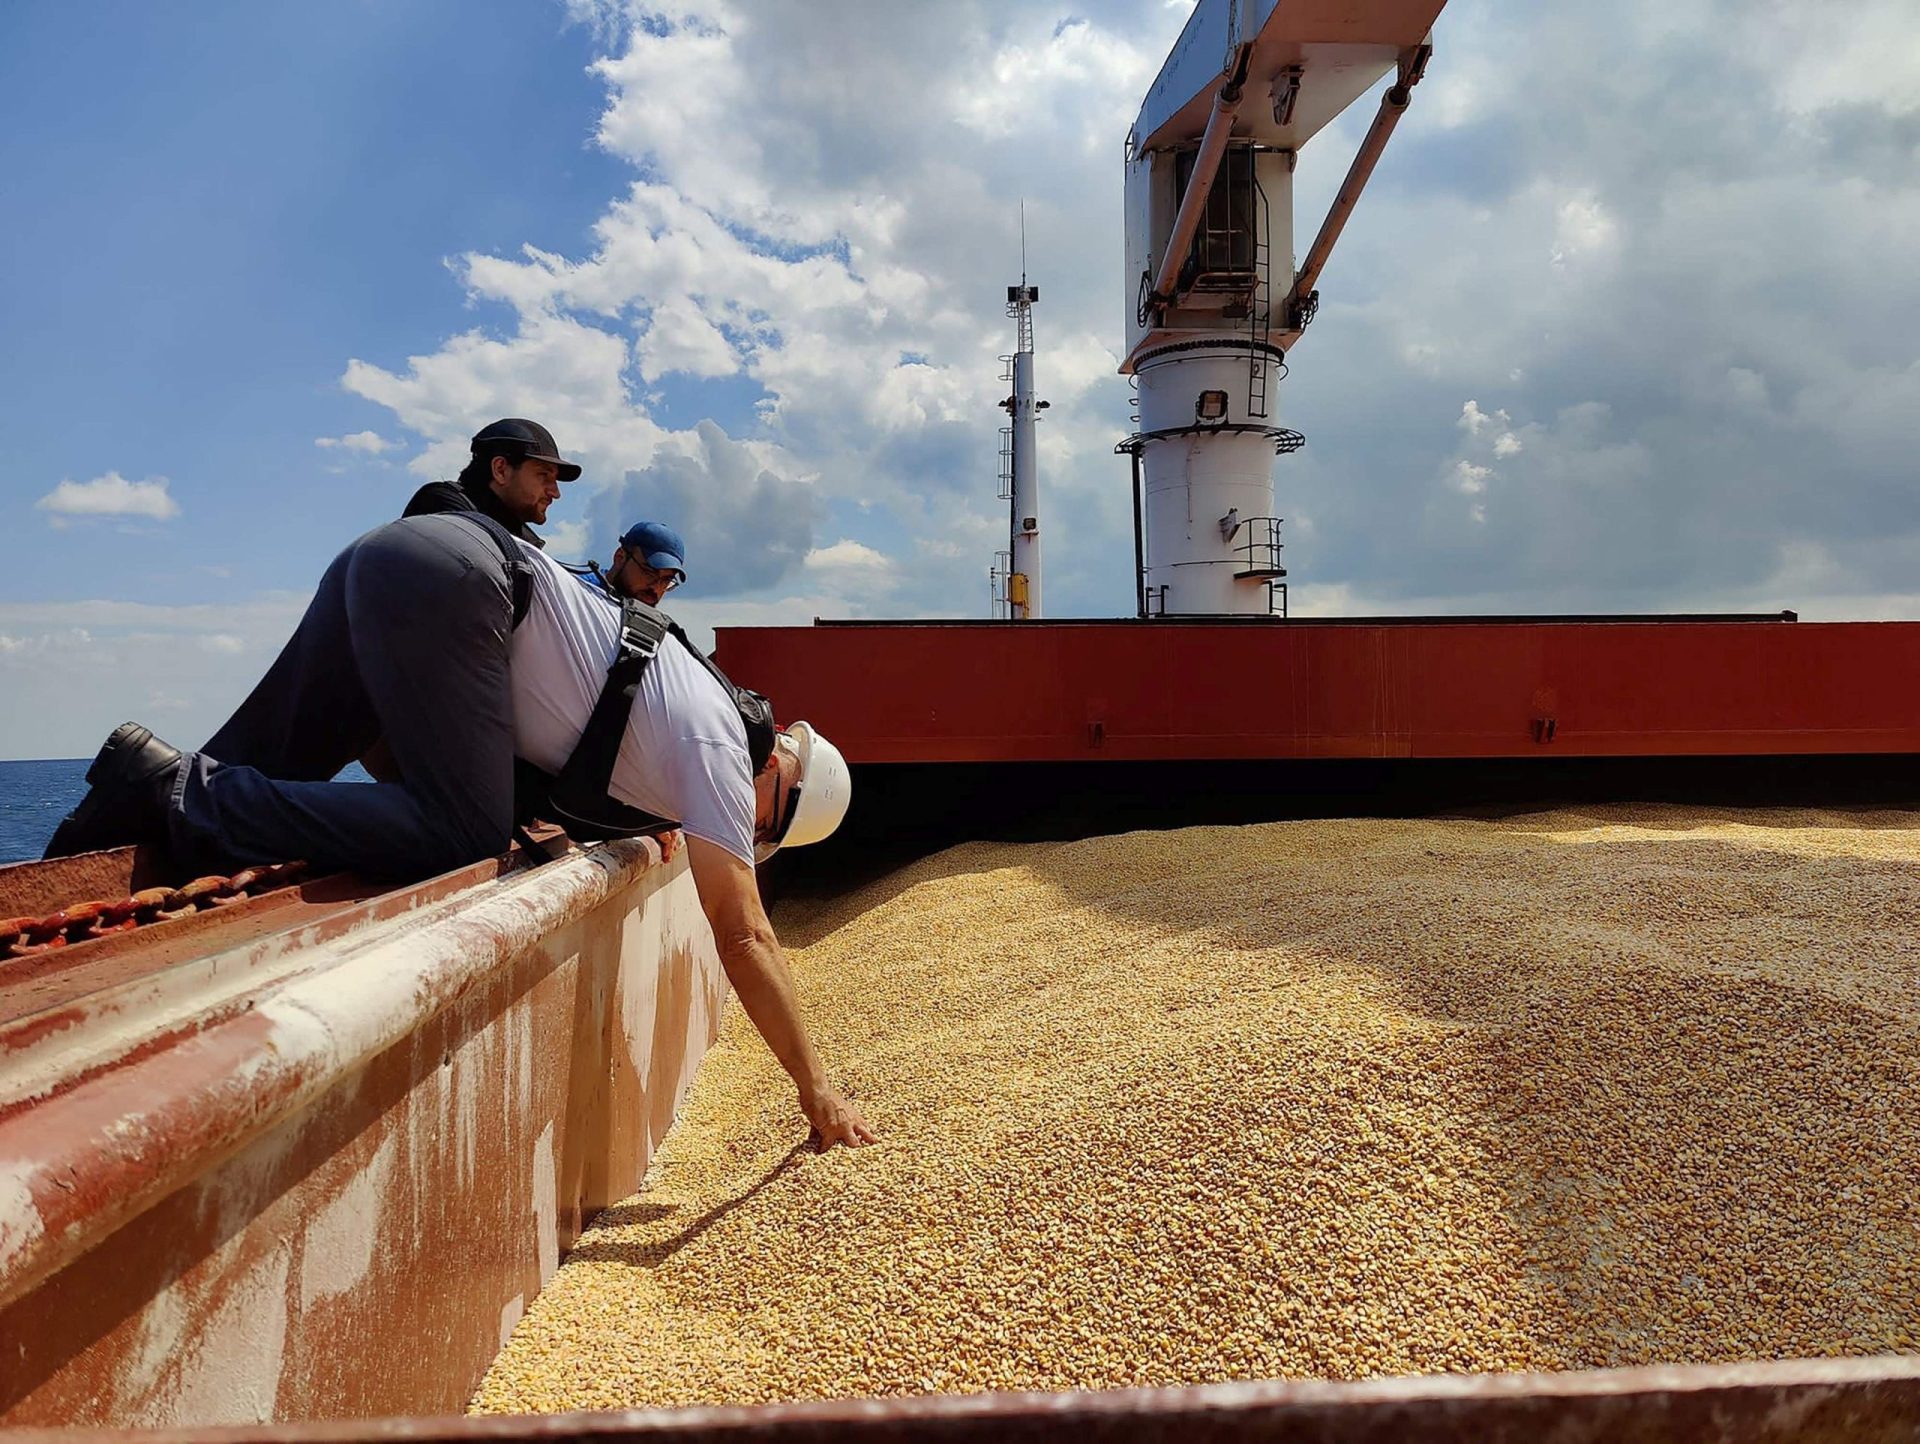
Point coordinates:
[(824, 790)]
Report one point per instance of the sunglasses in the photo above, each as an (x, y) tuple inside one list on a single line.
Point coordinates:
[(784, 809), (783, 825), (664, 578)]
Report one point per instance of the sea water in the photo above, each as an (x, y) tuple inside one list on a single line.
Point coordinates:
[(34, 796)]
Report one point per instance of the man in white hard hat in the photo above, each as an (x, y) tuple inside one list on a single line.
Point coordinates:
[(812, 793), (685, 757)]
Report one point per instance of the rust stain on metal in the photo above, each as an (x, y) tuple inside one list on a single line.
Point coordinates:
[(81, 922), (1860, 1401), (40, 887), (319, 1194), (311, 912)]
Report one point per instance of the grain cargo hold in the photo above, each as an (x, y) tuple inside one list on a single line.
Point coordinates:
[(1573, 1090)]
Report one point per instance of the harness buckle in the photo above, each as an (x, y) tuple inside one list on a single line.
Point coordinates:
[(641, 631)]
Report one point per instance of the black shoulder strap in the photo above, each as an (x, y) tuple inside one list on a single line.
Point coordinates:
[(580, 799), (519, 569), (756, 712)]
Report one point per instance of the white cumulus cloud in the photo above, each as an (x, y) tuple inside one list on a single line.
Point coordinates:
[(1583, 226), (1473, 420), (1469, 478), (847, 555), (367, 443), (111, 495), (817, 295), (849, 270)]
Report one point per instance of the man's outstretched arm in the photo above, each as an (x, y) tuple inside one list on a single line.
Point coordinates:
[(757, 968)]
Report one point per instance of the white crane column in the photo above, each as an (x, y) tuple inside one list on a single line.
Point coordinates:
[(1209, 388), (1214, 300)]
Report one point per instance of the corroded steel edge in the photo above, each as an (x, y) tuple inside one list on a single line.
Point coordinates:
[(99, 1154), (1856, 1400), (110, 916), (366, 1255), (178, 977), (37, 886)]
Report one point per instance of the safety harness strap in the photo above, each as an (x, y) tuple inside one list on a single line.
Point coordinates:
[(519, 569), (580, 799), (756, 712)]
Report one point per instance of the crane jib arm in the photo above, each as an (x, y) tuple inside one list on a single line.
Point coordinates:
[(1268, 76), (1336, 49)]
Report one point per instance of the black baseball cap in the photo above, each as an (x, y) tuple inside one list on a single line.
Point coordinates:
[(529, 440)]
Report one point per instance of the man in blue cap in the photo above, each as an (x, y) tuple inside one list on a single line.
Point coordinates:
[(650, 561)]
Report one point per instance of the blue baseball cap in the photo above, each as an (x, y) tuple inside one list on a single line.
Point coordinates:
[(657, 546)]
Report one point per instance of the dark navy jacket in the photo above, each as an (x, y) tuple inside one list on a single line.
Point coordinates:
[(452, 496)]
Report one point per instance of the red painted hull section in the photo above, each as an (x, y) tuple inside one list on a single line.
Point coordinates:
[(1144, 691), (321, 1172)]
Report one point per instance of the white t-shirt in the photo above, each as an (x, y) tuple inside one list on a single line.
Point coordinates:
[(685, 752)]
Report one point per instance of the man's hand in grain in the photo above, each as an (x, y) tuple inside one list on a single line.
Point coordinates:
[(836, 1120)]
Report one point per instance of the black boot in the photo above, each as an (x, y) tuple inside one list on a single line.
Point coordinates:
[(127, 802)]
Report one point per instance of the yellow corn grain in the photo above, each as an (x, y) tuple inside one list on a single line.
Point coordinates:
[(1327, 1099)]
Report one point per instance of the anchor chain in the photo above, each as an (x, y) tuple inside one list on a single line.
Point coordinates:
[(83, 921)]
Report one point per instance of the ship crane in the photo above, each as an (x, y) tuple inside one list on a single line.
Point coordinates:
[(1207, 706), (1215, 301)]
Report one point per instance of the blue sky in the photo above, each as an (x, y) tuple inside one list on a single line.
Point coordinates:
[(218, 203), (1624, 337)]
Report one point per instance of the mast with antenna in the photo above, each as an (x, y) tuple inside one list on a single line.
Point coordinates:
[(1020, 483)]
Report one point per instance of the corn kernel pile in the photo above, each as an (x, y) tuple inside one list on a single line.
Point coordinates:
[(1326, 1099)]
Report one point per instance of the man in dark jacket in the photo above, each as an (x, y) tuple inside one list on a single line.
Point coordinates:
[(405, 644), (514, 477), (407, 639)]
